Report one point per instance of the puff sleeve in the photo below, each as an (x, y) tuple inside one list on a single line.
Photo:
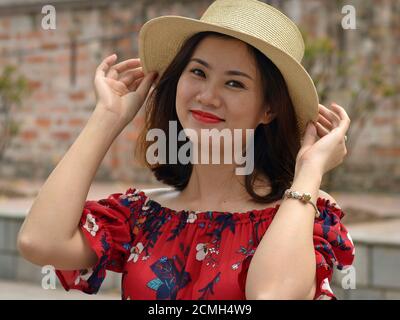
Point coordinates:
[(107, 226), (333, 247)]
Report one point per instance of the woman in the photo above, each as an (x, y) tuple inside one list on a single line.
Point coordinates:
[(269, 234)]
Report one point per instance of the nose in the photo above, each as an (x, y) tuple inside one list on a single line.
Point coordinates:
[(209, 96)]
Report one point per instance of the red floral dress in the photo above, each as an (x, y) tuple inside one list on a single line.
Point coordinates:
[(191, 255)]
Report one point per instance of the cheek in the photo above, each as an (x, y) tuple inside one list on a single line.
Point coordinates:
[(184, 90), (184, 97), (245, 114)]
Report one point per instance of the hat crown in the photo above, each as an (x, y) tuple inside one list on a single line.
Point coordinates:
[(259, 20)]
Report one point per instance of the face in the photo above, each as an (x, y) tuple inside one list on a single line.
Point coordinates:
[(220, 88)]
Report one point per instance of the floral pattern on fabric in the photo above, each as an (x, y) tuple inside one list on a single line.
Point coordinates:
[(165, 254)]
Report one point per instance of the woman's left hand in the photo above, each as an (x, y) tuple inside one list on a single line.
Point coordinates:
[(329, 151)]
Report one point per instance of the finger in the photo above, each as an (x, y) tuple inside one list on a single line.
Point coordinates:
[(145, 85), (329, 115), (105, 65), (123, 66), (126, 64), (117, 86), (321, 131), (324, 122), (128, 77), (344, 118), (133, 86), (112, 74), (310, 135)]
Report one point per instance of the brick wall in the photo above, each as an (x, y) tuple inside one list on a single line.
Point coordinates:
[(62, 98), (60, 66)]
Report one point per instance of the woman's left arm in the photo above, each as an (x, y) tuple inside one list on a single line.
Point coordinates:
[(283, 266)]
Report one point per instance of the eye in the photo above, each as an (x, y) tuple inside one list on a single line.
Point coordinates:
[(194, 71), (237, 84)]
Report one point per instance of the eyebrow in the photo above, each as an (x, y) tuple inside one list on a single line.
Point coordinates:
[(230, 72)]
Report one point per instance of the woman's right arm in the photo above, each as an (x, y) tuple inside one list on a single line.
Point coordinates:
[(50, 234)]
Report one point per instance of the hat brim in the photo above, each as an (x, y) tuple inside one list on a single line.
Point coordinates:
[(161, 38)]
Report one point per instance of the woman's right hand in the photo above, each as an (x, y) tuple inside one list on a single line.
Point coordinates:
[(121, 89)]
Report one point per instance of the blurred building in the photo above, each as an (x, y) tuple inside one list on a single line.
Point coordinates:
[(59, 65)]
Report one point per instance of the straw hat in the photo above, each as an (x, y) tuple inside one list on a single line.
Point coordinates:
[(251, 21)]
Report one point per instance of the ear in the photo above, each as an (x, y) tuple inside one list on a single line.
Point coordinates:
[(267, 117)]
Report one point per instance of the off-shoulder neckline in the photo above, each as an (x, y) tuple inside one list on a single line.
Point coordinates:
[(150, 201), (270, 210)]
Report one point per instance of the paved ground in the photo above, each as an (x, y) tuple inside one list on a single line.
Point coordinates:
[(10, 290)]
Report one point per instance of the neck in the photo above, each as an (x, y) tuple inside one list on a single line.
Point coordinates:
[(212, 184)]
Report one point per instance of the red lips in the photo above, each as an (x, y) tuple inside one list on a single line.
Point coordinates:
[(205, 117)]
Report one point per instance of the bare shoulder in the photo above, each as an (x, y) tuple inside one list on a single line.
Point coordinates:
[(325, 195)]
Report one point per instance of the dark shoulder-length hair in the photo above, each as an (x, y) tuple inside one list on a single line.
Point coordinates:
[(276, 144)]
